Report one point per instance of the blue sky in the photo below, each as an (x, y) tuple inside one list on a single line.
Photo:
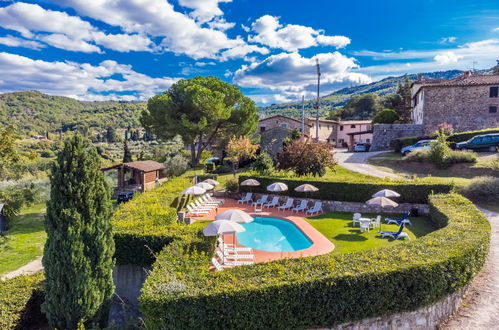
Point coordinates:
[(132, 49)]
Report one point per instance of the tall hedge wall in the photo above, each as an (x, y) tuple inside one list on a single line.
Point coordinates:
[(410, 191), (465, 136), (318, 291)]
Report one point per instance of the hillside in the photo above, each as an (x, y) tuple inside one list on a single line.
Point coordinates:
[(338, 98), (33, 112)]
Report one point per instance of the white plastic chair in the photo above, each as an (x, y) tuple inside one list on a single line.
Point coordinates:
[(356, 218), (365, 225)]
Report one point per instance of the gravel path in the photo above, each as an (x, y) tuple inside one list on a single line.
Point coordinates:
[(357, 162), (480, 308), (32, 267)]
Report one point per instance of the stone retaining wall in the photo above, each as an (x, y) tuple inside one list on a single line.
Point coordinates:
[(384, 133)]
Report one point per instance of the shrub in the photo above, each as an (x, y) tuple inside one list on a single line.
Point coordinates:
[(420, 156), (320, 291), (485, 188), (223, 169), (385, 116), (263, 164), (176, 165), (304, 157), (453, 157), (20, 302), (232, 185), (440, 151), (209, 167), (456, 156)]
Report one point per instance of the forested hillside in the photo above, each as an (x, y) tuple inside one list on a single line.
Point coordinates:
[(37, 113), (340, 97)]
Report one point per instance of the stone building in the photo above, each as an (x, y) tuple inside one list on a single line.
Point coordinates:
[(468, 102), (139, 175)]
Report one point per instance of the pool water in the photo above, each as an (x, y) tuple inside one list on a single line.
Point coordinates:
[(273, 235)]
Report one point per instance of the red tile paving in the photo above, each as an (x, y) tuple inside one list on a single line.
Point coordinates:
[(320, 244)]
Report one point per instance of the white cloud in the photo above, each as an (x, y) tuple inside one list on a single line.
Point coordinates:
[(80, 80), (269, 32), (496, 29), (221, 24), (65, 31), (204, 10), (12, 41), (447, 57), (448, 40), (242, 51), (293, 75), (267, 99), (248, 29), (201, 64)]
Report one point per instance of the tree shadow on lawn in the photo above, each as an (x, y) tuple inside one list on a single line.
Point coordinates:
[(350, 237)]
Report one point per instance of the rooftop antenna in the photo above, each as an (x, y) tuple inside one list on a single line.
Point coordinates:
[(303, 114), (317, 104)]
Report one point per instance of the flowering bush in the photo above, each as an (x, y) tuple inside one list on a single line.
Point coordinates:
[(304, 157)]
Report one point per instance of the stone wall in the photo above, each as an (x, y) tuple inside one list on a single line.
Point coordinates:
[(384, 133), (425, 318), (271, 140)]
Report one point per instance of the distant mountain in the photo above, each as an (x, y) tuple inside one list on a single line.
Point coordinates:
[(33, 112), (340, 97)]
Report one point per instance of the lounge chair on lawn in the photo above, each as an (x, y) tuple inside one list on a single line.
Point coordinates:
[(400, 220), (288, 205), (262, 200), (316, 209), (246, 199), (225, 256), (301, 207), (272, 203), (395, 234), (191, 210)]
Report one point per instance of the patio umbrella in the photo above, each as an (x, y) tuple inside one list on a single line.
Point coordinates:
[(204, 185), (306, 188), (235, 215), (277, 187), (381, 201), (250, 183), (212, 182), (194, 190), (386, 193), (220, 227)]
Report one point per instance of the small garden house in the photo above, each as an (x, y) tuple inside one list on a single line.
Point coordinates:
[(139, 175)]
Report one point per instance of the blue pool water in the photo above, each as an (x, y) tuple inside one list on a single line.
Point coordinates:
[(273, 235)]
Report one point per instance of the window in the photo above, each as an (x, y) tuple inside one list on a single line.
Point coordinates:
[(277, 121), (494, 91), (284, 125), (341, 128), (262, 129), (352, 126), (492, 109)]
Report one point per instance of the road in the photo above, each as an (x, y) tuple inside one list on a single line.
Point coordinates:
[(357, 162)]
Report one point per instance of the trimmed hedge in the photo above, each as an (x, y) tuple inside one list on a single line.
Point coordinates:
[(20, 302), (465, 136), (410, 191), (320, 291)]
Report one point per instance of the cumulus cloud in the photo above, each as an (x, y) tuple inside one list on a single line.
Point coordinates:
[(61, 30), (447, 57), (80, 80), (221, 24), (241, 51), (293, 75), (448, 40), (12, 41), (203, 10), (268, 31)]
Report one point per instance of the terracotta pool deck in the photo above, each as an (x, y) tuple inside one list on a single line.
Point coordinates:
[(320, 244)]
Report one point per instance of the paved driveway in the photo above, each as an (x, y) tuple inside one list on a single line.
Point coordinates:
[(357, 162)]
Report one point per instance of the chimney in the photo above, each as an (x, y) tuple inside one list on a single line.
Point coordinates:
[(467, 74), (420, 77)]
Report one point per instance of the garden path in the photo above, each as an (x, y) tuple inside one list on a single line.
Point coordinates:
[(32, 267), (480, 308), (357, 162)]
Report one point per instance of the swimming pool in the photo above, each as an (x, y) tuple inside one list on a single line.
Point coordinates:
[(273, 235)]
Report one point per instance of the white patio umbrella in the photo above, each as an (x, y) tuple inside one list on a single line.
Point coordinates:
[(221, 227), (386, 193), (277, 187), (381, 201), (204, 185), (235, 215), (194, 190), (306, 188), (212, 182), (250, 182)]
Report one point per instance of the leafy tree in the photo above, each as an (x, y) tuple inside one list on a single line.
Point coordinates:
[(386, 116), (239, 149), (15, 198), (263, 164), (200, 110), (8, 152), (78, 254), (127, 155), (176, 165), (111, 135), (440, 151), (206, 154), (305, 157), (358, 107), (400, 101)]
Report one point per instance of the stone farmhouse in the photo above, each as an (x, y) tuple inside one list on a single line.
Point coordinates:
[(468, 102), (336, 132)]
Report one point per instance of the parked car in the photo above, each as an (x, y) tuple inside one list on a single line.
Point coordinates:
[(420, 145), (488, 142), (124, 196), (362, 147)]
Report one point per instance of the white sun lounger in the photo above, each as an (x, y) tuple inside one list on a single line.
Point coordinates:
[(272, 203), (204, 199), (214, 200), (225, 256), (190, 210), (200, 206), (231, 248), (246, 199), (262, 200), (301, 207), (316, 209), (287, 205), (217, 265)]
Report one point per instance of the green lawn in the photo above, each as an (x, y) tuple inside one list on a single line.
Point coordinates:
[(24, 240), (337, 227)]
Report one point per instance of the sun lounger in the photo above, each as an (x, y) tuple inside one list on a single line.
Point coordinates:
[(200, 206), (217, 265), (301, 207), (191, 210), (205, 201), (316, 209), (272, 203), (262, 200), (394, 234), (230, 247), (400, 220), (288, 205), (213, 199), (224, 256), (246, 199)]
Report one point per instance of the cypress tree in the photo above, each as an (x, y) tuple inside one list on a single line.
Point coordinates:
[(127, 155), (78, 255)]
